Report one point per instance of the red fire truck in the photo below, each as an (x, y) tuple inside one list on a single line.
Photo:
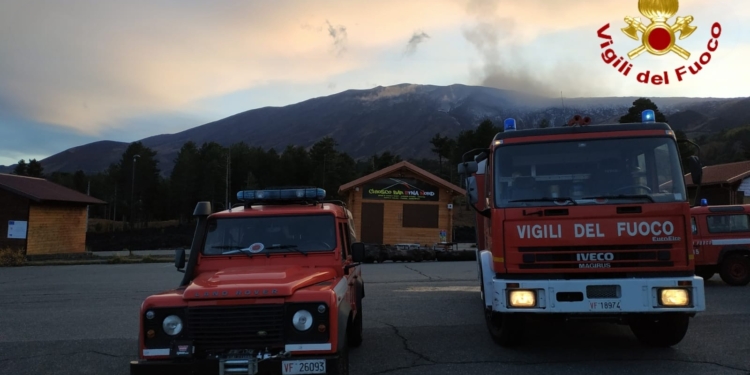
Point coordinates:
[(721, 242), (274, 285), (585, 221)]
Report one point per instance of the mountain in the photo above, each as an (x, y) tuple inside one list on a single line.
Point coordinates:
[(401, 119)]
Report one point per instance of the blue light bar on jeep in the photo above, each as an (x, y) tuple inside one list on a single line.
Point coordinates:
[(280, 194), (648, 116)]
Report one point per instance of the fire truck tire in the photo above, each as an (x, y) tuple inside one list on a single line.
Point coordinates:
[(664, 330), (705, 273), (355, 327), (340, 365), (505, 329), (735, 270)]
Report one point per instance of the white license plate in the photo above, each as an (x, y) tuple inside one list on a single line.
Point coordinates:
[(306, 366), (604, 306)]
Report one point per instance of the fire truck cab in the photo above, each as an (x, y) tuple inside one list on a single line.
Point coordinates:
[(721, 242), (273, 285), (585, 221)]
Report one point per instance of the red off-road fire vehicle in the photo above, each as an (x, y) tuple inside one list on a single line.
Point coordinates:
[(272, 286), (585, 221), (721, 242)]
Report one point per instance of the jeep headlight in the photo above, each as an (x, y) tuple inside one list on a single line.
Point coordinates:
[(172, 325), (302, 320)]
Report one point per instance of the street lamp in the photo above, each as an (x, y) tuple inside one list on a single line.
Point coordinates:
[(132, 190)]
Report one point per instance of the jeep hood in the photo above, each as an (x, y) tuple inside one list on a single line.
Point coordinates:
[(254, 281)]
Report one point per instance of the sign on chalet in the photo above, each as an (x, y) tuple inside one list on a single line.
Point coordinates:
[(42, 217), (402, 204)]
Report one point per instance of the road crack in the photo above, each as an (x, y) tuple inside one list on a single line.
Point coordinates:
[(419, 272), (561, 362), (405, 341), (63, 354)]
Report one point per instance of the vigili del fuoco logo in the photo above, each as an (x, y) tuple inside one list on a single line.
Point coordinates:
[(658, 37)]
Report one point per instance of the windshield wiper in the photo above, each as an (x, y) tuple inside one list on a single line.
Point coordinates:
[(546, 199), (623, 196), (234, 250), (293, 247)]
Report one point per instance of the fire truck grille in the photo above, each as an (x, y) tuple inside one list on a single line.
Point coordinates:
[(218, 328), (602, 291), (596, 257)]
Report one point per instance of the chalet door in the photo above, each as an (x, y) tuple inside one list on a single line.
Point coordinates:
[(372, 223)]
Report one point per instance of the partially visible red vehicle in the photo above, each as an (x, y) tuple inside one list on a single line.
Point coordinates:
[(274, 285), (721, 242)]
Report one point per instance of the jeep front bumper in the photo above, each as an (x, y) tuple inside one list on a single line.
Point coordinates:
[(184, 366)]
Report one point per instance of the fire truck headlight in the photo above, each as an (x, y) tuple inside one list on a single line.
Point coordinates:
[(522, 298), (674, 297)]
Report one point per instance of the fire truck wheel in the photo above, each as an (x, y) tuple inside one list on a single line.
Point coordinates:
[(505, 329), (355, 326), (664, 330), (735, 270), (705, 273), (340, 365)]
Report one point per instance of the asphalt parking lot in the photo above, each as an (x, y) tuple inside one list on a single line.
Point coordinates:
[(419, 318)]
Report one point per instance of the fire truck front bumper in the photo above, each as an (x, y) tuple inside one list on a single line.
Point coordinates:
[(596, 296)]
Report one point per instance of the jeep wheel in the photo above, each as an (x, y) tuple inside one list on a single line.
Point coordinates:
[(340, 365), (663, 330), (505, 329), (735, 270), (355, 328)]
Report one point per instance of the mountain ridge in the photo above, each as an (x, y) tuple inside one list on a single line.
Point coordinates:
[(401, 119)]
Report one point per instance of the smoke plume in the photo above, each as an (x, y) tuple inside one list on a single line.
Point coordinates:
[(416, 39)]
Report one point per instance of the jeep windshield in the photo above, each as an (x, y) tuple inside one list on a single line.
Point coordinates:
[(580, 172), (266, 235)]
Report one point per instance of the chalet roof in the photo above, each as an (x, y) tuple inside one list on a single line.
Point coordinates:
[(404, 165), (41, 190), (723, 173)]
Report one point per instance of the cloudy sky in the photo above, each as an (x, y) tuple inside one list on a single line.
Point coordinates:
[(73, 72)]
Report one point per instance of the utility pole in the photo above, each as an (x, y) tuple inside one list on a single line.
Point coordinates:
[(132, 191), (88, 192)]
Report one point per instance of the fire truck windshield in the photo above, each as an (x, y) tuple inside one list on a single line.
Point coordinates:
[(621, 170), (270, 234)]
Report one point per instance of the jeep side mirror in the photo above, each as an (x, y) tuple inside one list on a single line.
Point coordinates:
[(202, 209), (467, 168), (696, 171), (358, 252), (179, 259), (471, 190)]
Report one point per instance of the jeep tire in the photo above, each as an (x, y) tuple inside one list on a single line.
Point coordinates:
[(735, 269), (340, 365), (354, 331), (662, 330), (505, 329)]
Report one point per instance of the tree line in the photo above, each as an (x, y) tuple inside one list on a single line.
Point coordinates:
[(137, 192)]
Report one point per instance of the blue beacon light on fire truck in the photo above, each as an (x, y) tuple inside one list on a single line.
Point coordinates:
[(648, 116), (509, 124), (280, 194)]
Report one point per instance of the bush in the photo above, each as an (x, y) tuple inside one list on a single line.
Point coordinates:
[(12, 257)]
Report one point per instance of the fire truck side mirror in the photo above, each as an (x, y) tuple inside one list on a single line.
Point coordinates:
[(696, 171), (179, 259), (467, 168), (358, 252)]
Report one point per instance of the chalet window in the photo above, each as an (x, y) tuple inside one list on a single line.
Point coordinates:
[(420, 215)]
